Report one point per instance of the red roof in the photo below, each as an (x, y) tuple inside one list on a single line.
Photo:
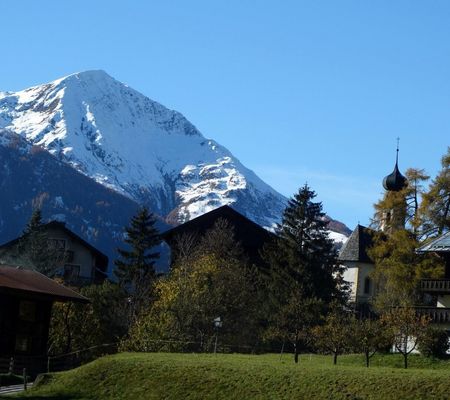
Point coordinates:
[(25, 281)]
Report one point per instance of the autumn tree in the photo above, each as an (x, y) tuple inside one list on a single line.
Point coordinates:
[(405, 327), (335, 335), (435, 206), (369, 336), (399, 269), (212, 280), (80, 326)]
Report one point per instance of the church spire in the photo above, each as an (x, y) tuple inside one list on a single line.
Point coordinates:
[(395, 181)]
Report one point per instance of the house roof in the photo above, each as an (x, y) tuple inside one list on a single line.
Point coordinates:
[(249, 234), (14, 280), (207, 220), (438, 245), (102, 258), (355, 249)]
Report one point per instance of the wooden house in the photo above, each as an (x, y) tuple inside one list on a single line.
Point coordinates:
[(26, 299), (80, 263), (249, 234)]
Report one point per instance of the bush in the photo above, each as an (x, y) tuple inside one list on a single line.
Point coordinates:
[(434, 343)]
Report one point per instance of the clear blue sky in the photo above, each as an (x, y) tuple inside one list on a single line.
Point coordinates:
[(299, 91)]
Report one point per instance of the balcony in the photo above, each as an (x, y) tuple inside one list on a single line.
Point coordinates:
[(437, 315), (435, 286)]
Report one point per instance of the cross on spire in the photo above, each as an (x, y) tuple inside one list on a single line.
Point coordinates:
[(398, 143)]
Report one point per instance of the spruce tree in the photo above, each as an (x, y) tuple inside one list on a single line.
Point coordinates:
[(306, 252), (135, 269), (34, 250), (305, 275)]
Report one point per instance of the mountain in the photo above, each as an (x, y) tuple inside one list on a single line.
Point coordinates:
[(132, 148), (31, 177), (137, 147)]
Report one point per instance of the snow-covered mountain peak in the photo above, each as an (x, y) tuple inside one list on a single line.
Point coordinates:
[(134, 145)]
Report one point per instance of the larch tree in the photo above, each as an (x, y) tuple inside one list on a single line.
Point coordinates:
[(435, 206)]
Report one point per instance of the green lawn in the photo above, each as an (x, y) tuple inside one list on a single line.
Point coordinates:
[(204, 376)]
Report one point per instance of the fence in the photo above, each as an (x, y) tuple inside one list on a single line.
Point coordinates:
[(63, 362)]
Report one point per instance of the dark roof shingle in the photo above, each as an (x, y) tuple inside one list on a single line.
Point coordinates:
[(355, 249)]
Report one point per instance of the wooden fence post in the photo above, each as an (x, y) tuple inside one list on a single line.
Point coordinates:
[(24, 379), (11, 365)]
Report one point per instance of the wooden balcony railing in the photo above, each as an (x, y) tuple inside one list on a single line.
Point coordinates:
[(435, 285), (438, 315)]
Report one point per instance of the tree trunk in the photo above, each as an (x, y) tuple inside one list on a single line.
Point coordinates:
[(367, 359), (405, 359), (296, 352), (335, 358)]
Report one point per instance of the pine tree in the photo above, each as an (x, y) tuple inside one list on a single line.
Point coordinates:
[(135, 269)]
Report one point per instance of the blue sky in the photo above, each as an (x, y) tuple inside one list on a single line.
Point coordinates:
[(299, 91)]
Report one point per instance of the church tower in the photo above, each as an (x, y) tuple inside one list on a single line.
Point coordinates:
[(394, 217)]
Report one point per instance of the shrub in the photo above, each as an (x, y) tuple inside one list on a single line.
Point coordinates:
[(434, 343)]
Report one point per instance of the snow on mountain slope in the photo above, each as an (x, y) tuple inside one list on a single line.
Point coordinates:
[(133, 145)]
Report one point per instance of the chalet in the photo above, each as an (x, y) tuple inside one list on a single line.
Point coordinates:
[(249, 234), (26, 299), (438, 289), (80, 263)]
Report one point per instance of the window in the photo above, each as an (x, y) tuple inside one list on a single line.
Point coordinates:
[(367, 285), (71, 272), (27, 311), (57, 244), (23, 343)]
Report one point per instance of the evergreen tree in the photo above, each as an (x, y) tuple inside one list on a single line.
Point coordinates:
[(35, 222), (34, 251), (304, 273), (304, 251), (135, 269)]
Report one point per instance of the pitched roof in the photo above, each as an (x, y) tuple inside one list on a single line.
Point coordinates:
[(438, 245), (25, 281), (249, 234), (207, 220), (103, 259), (355, 249)]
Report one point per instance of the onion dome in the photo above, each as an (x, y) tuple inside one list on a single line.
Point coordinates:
[(395, 181)]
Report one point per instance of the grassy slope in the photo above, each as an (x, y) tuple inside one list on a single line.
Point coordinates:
[(191, 376)]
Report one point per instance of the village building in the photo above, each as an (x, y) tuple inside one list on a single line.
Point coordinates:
[(438, 289), (79, 263), (249, 234), (354, 254), (26, 299), (358, 267)]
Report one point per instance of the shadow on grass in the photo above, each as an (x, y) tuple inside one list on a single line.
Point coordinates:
[(41, 397)]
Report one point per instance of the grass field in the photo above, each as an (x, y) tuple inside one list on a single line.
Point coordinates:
[(204, 376)]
